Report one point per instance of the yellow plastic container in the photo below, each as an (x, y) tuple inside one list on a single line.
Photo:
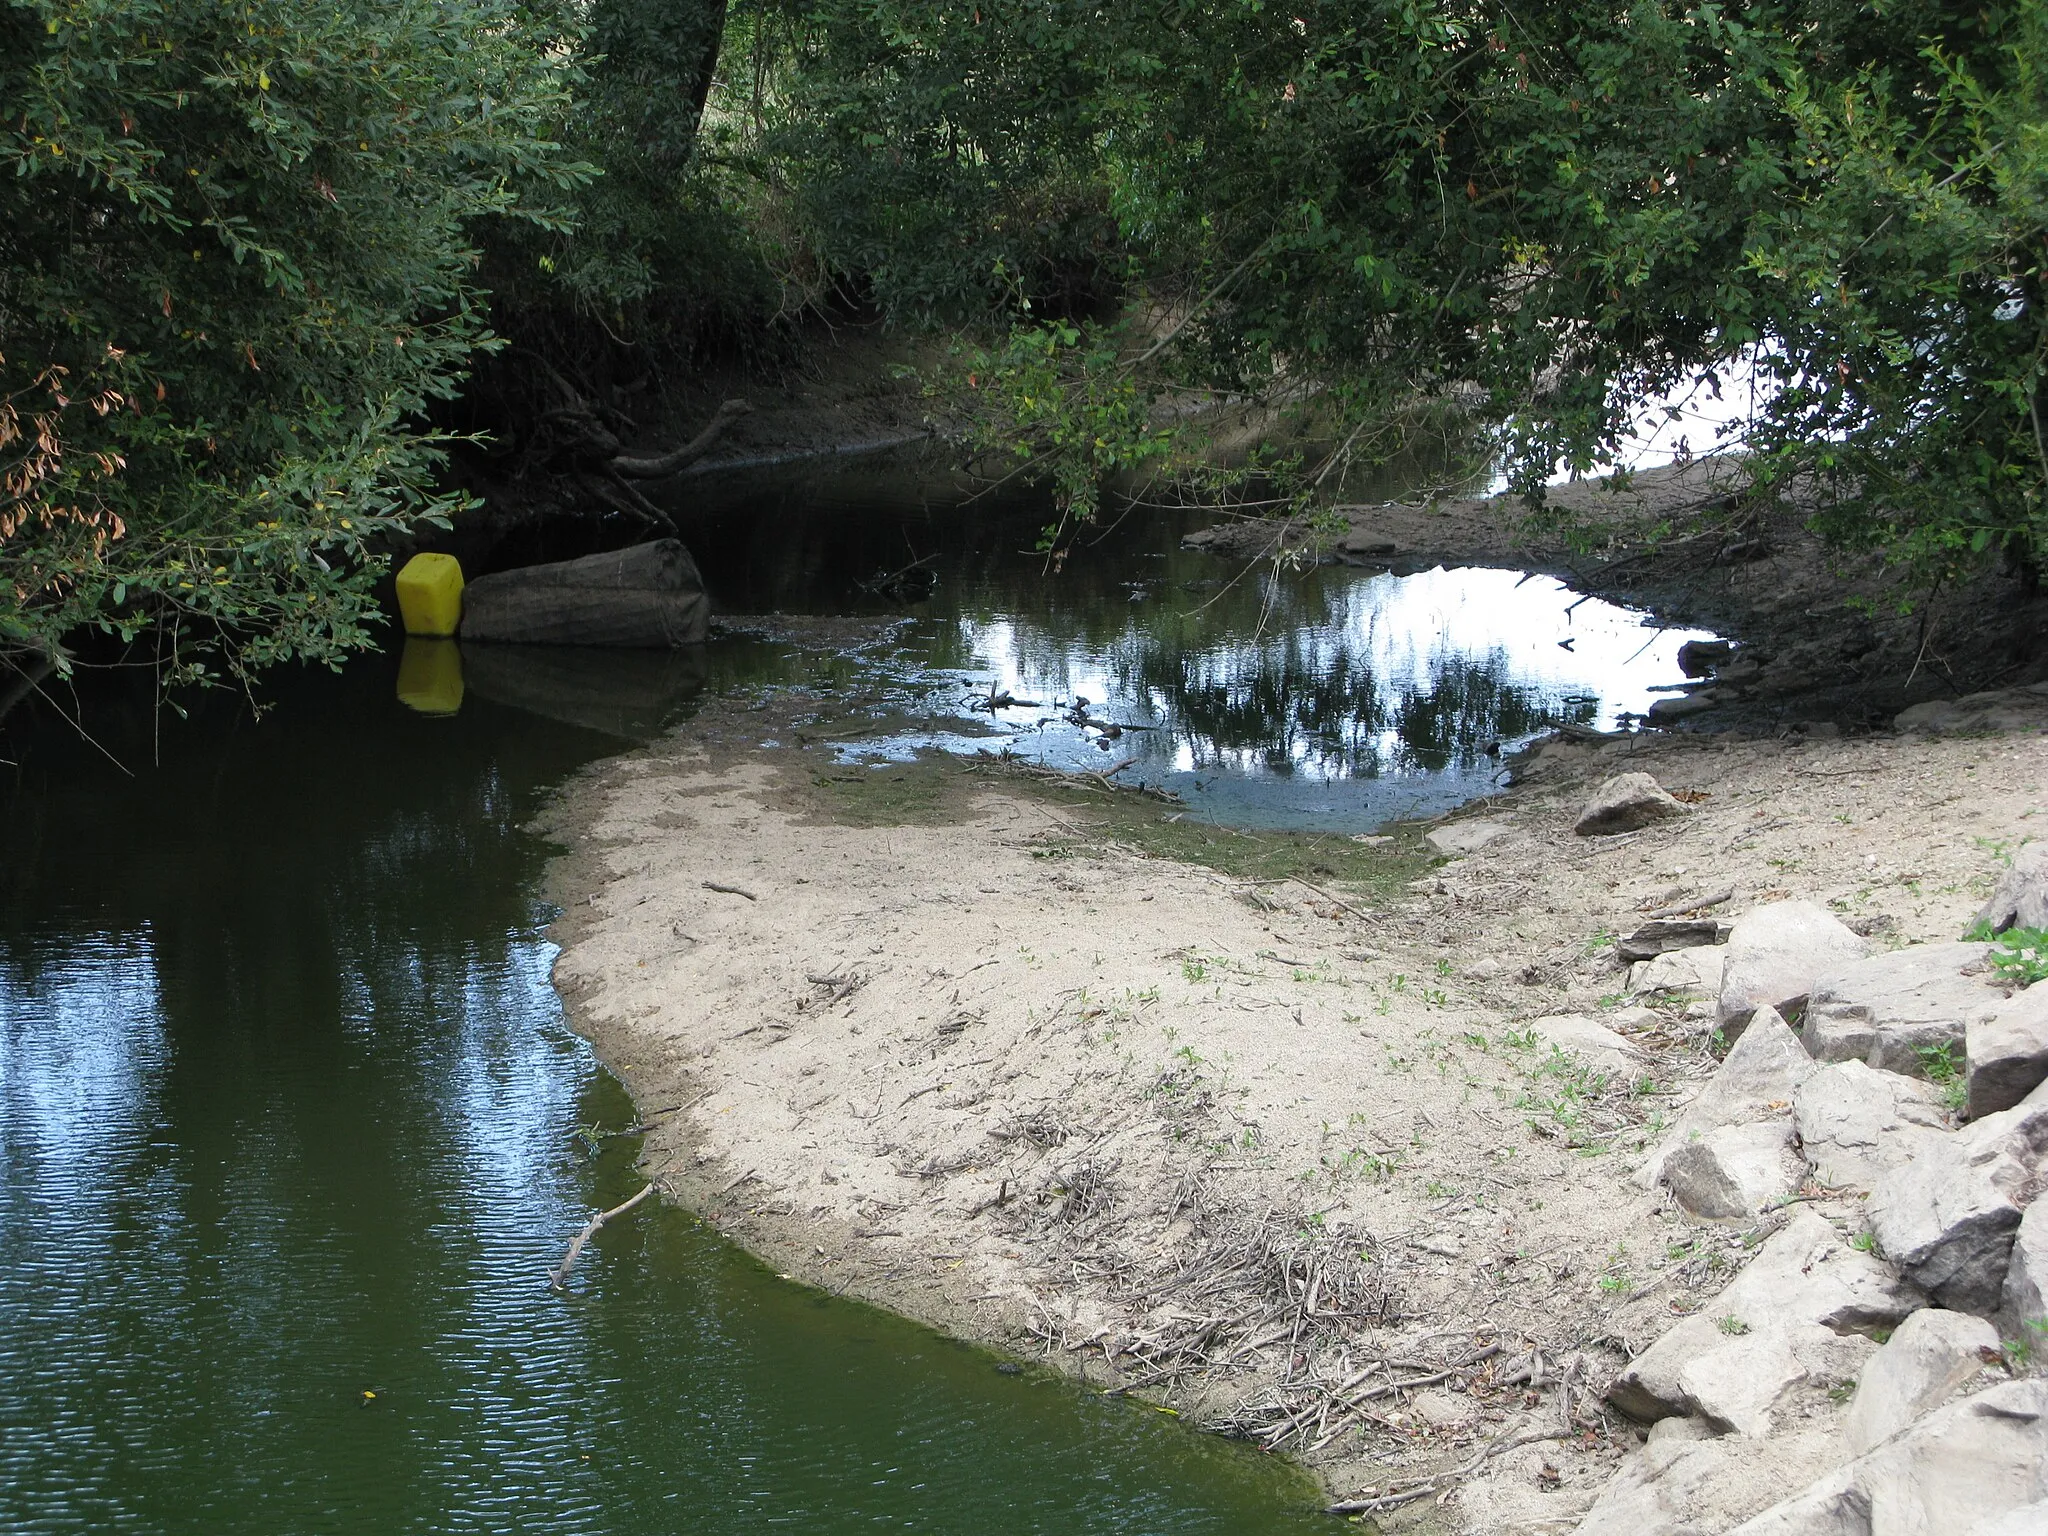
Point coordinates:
[(430, 595), (430, 676)]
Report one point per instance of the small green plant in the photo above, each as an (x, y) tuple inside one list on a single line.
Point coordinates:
[(1732, 1324), (1864, 1242), (1443, 967), (1939, 1065), (2021, 956), (1194, 970)]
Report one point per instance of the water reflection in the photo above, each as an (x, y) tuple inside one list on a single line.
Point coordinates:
[(1342, 700), (286, 1106)]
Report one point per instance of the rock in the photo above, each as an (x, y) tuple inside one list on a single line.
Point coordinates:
[(1688, 1481), (1441, 1410), (1931, 1354), (1696, 658), (648, 596), (2006, 1052), (1625, 803), (1661, 934), (1895, 1010), (1805, 1278), (1757, 1081), (1678, 708), (1462, 837), (1956, 1469), (2020, 899), (2000, 709), (1600, 1046), (1776, 954), (1734, 1388), (1363, 541), (1856, 1124), (1680, 970), (2025, 1301), (1734, 1171), (2027, 1520), (1948, 1218)]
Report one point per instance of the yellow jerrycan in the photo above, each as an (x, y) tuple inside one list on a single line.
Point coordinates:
[(430, 595)]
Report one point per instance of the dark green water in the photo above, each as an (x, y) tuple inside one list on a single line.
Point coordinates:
[(286, 1115)]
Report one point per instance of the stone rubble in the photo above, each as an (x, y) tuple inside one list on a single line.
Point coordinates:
[(2006, 1053), (1887, 1364), (1775, 956), (1899, 1011), (2020, 899)]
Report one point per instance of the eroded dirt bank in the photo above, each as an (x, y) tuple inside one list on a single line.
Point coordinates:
[(1297, 1160)]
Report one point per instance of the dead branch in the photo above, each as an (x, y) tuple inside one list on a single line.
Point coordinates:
[(558, 1277)]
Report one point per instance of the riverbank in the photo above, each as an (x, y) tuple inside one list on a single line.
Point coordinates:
[(1293, 1157)]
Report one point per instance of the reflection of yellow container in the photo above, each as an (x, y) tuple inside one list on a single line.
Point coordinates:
[(430, 594), (430, 676)]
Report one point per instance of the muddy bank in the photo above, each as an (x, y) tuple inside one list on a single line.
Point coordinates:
[(1267, 1130), (1830, 635)]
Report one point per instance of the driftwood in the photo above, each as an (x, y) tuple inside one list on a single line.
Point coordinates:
[(648, 596), (558, 1277)]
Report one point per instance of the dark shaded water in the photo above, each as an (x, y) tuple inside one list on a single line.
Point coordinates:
[(286, 1115)]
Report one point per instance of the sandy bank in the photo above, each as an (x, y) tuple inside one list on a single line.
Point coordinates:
[(960, 1045)]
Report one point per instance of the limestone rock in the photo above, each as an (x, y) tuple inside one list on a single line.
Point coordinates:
[(1932, 1353), (1625, 803), (1698, 702), (1805, 1278), (1462, 837), (1957, 1469), (1667, 933), (1734, 1171), (2026, 1277), (1757, 1081), (1734, 1388), (1948, 1218), (1776, 954), (2027, 1520), (2020, 899), (1856, 1124), (1888, 1010), (1689, 1481), (2007, 1052), (1680, 970), (1998, 709)]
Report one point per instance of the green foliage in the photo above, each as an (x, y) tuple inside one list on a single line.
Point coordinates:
[(2020, 955), (235, 269), (1943, 1068), (1555, 214)]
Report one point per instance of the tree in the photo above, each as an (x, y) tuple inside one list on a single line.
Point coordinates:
[(1552, 213), (237, 264)]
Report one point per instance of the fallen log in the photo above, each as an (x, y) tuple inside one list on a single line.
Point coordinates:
[(649, 596)]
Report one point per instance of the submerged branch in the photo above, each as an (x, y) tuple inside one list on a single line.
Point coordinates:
[(558, 1277)]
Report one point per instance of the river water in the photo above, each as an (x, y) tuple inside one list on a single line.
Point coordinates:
[(288, 1108)]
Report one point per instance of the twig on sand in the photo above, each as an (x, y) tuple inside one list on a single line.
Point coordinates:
[(729, 890), (1338, 900), (558, 1277)]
